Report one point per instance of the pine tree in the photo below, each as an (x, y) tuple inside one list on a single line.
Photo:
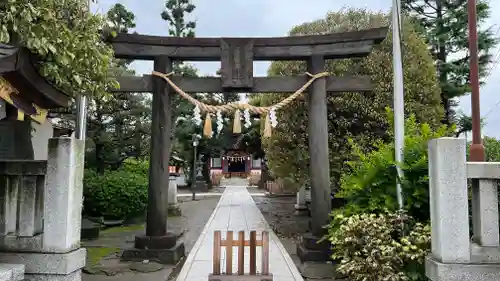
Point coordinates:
[(444, 23), (120, 19), (174, 13)]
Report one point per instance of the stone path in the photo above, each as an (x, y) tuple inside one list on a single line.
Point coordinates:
[(236, 211)]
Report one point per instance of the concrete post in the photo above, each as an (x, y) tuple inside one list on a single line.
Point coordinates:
[(449, 200)]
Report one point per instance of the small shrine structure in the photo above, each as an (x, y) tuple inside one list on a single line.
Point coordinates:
[(40, 189), (235, 162)]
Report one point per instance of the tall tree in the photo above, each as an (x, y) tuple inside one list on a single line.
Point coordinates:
[(120, 19), (361, 118), (65, 39), (118, 125), (444, 24), (175, 14), (464, 124)]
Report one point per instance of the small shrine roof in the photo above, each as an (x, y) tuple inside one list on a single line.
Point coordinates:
[(22, 86)]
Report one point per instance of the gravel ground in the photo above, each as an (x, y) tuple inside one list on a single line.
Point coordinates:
[(279, 213), (194, 216)]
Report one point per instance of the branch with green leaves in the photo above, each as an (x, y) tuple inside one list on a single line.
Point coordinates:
[(66, 39)]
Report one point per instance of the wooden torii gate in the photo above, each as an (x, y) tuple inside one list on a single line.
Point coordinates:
[(237, 56)]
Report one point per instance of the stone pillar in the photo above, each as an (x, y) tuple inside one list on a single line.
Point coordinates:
[(58, 255), (301, 206), (485, 220), (453, 256), (449, 200), (173, 205)]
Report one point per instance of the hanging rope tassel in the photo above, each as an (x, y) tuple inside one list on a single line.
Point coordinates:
[(267, 127), (207, 128), (234, 105), (237, 122)]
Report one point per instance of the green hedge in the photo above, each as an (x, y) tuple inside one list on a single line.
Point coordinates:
[(369, 184), (119, 194), (366, 233)]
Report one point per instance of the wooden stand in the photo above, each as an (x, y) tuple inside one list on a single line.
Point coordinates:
[(241, 243)]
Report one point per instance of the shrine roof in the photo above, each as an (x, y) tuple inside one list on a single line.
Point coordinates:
[(22, 84)]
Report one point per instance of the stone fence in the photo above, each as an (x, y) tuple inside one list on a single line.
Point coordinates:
[(21, 192), (455, 254), (40, 212)]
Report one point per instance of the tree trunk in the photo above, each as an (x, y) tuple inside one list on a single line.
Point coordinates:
[(443, 75), (99, 161), (138, 143), (206, 171), (264, 176)]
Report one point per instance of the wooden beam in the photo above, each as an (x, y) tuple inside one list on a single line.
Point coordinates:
[(210, 53), (161, 130), (376, 34), (330, 46), (279, 84)]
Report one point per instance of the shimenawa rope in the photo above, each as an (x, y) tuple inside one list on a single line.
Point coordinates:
[(234, 106)]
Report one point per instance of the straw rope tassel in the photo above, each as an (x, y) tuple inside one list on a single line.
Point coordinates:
[(207, 128), (237, 122), (267, 127), (237, 106)]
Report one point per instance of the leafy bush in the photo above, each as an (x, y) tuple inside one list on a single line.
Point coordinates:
[(117, 194), (369, 183), (140, 167), (492, 149), (375, 247)]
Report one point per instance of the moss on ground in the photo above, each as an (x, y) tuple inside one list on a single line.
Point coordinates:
[(95, 255), (124, 228)]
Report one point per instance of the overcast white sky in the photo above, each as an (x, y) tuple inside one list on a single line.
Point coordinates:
[(267, 18)]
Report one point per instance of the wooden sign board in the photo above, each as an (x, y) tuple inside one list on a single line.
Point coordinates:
[(236, 63)]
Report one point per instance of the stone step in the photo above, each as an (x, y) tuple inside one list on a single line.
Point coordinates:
[(11, 272)]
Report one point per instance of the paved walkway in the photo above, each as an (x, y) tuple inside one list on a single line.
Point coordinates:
[(236, 211), (203, 195)]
